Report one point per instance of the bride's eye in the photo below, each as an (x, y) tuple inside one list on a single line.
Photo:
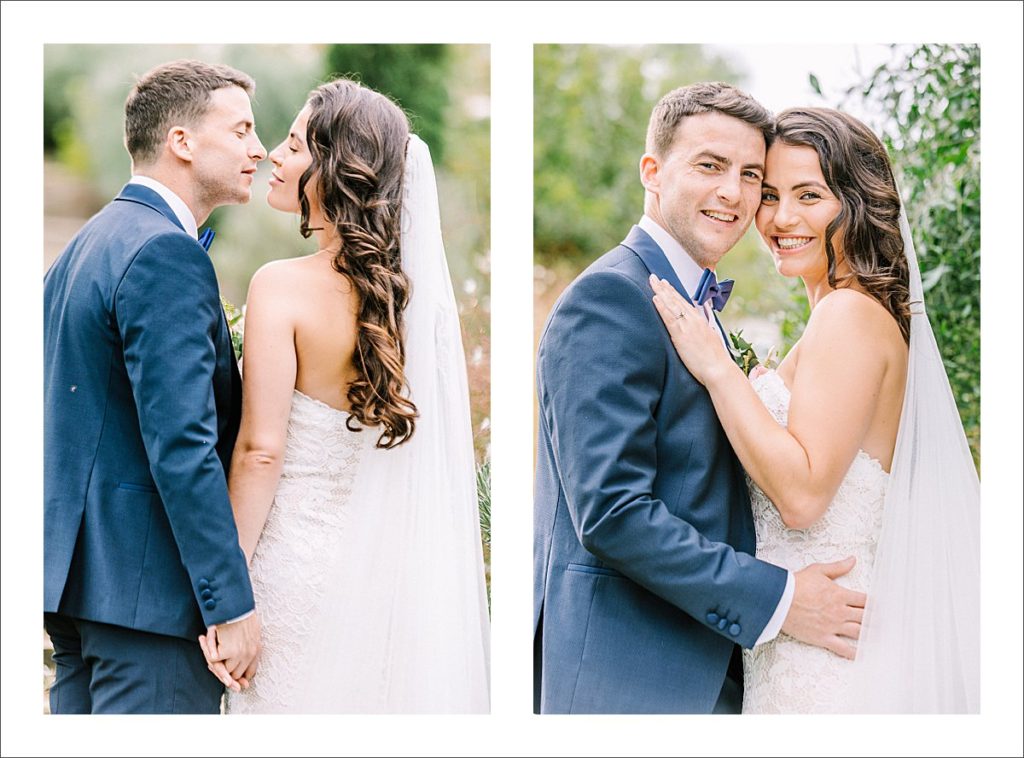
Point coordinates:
[(768, 196), (810, 196)]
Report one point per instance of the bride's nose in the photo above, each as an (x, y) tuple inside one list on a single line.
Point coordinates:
[(275, 155), (786, 215)]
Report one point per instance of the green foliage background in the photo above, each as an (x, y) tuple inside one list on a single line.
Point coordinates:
[(935, 141)]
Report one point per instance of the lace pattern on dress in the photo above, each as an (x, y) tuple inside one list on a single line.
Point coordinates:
[(305, 523), (785, 675)]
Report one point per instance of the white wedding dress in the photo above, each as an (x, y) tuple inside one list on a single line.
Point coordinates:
[(306, 523), (785, 675)]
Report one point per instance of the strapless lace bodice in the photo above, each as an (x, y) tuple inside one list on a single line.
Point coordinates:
[(784, 675), (305, 524)]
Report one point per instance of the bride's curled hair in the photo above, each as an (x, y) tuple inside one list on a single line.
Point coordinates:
[(857, 171), (357, 138)]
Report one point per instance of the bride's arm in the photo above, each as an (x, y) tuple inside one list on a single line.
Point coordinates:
[(268, 382), (834, 397)]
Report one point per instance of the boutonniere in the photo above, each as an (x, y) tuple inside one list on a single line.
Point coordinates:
[(745, 356), (236, 325)]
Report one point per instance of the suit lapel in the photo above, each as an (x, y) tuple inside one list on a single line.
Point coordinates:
[(654, 259), (136, 193)]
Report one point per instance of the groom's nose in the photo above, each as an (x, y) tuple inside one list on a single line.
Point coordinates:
[(729, 187), (256, 149)]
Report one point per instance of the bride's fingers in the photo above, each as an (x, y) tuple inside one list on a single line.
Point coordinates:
[(213, 644), (855, 614), (218, 670), (663, 288), (237, 668), (663, 311), (208, 650)]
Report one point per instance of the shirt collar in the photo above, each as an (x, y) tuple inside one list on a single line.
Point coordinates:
[(686, 268), (188, 221)]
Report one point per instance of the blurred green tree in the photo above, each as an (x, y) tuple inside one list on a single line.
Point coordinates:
[(417, 77), (591, 106)]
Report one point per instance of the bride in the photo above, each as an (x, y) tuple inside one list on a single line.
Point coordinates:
[(853, 446), (353, 480)]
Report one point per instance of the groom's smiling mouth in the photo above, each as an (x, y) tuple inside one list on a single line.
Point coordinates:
[(722, 216)]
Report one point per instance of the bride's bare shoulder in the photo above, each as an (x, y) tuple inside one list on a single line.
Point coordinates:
[(851, 313), (299, 279)]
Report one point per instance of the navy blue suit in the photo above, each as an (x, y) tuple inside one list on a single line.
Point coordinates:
[(644, 582), (142, 405)]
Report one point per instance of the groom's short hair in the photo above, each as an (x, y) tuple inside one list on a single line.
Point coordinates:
[(175, 93), (704, 97)]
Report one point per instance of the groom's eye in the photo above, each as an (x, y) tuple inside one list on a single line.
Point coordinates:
[(753, 175)]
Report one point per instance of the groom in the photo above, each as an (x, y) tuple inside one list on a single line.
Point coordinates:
[(142, 405), (644, 582)]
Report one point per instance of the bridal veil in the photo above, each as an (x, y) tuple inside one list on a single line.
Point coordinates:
[(919, 650), (403, 626)]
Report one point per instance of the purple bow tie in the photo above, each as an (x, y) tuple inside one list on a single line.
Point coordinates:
[(712, 289), (207, 238)]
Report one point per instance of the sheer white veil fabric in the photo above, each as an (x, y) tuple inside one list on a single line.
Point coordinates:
[(919, 650), (403, 626)]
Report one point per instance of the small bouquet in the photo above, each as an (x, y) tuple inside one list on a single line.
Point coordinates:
[(744, 355), (236, 325)]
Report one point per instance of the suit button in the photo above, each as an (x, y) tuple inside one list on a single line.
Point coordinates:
[(723, 623), (734, 630), (210, 604), (207, 594), (203, 584), (712, 618)]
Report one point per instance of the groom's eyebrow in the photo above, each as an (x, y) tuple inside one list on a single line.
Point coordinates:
[(718, 158), (727, 161)]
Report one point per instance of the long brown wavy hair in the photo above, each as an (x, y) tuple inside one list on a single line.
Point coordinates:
[(358, 139), (858, 172)]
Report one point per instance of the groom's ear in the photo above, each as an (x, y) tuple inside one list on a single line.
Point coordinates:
[(179, 142), (649, 172)]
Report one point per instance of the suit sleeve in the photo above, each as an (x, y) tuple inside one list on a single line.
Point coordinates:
[(601, 368), (168, 311)]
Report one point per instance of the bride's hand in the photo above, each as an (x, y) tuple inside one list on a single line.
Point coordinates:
[(208, 644), (698, 343)]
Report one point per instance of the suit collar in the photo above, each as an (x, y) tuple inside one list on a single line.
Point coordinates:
[(136, 193), (641, 243)]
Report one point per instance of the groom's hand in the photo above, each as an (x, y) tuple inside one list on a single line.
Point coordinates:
[(823, 613), (232, 651)]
